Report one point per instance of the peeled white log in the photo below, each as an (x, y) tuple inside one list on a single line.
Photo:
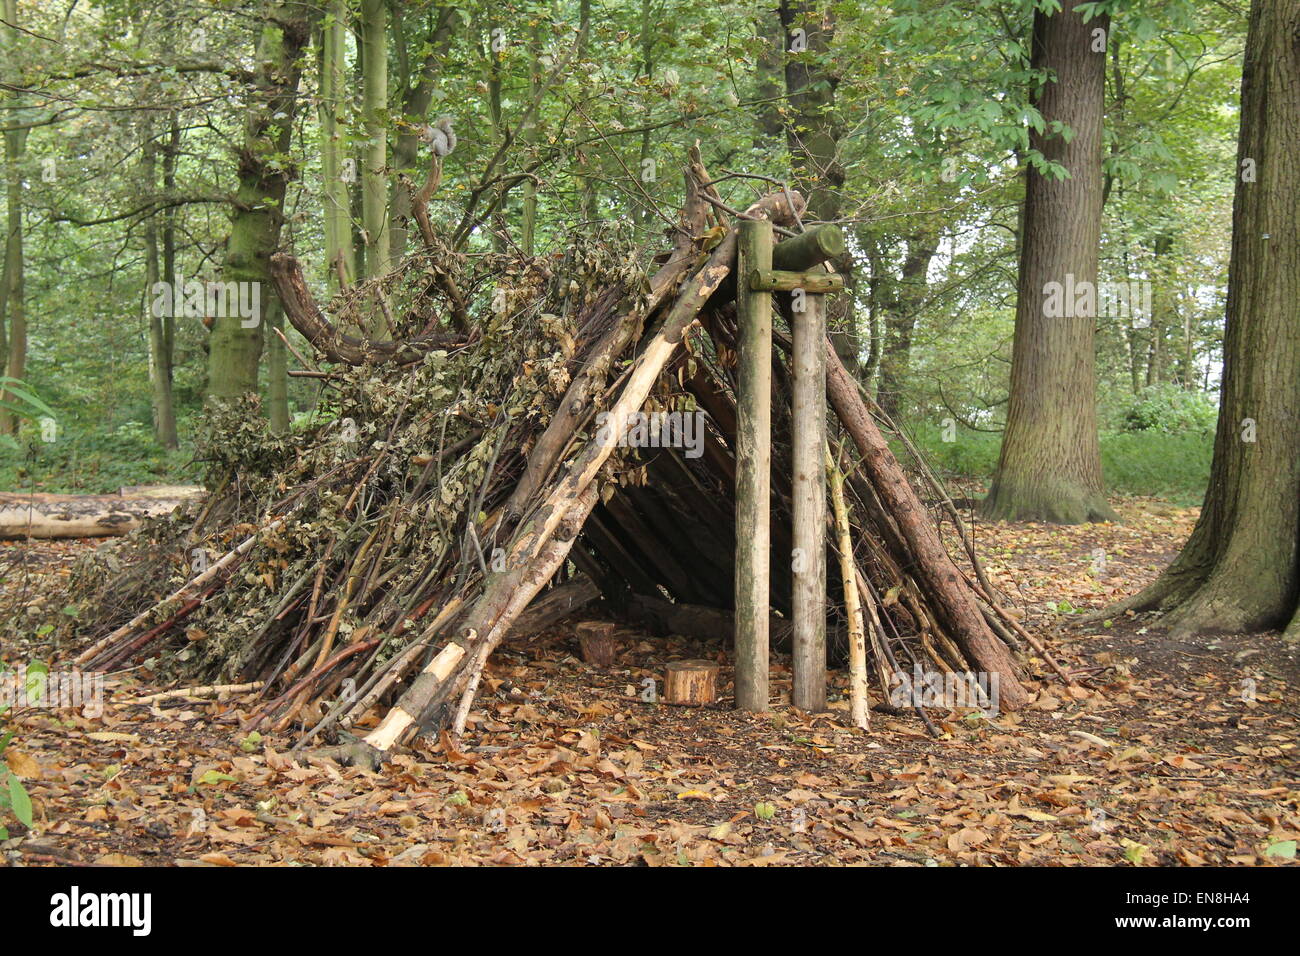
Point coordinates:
[(38, 515)]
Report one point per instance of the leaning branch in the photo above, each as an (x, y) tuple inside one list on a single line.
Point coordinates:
[(305, 315)]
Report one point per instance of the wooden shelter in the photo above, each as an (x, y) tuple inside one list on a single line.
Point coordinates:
[(783, 515)]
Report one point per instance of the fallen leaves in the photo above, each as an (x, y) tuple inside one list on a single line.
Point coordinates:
[(22, 763), (1139, 765)]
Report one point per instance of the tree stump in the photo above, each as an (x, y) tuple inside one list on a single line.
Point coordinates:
[(691, 682), (596, 641)]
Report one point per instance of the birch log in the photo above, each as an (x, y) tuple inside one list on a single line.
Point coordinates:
[(753, 470), (38, 515), (807, 453), (859, 712)]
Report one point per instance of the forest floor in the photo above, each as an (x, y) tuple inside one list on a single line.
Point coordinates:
[(1168, 753)]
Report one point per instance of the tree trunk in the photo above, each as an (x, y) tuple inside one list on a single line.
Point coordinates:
[(1050, 465), (277, 369), (875, 330), (160, 378), (236, 343), (1240, 569), (1164, 308), (374, 173), (339, 259), (585, 187), (495, 115), (900, 321), (528, 139), (813, 132), (13, 306), (167, 433), (417, 97), (1187, 361), (769, 81)]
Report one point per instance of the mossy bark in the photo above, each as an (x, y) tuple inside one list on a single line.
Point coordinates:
[(339, 257), (160, 359), (1050, 464), (13, 306), (374, 174), (1240, 569), (235, 347)]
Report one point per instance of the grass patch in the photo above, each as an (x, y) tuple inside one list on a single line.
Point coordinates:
[(1171, 466), (91, 460)]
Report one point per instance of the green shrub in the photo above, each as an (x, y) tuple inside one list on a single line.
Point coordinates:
[(86, 458), (971, 454), (1170, 409), (1175, 465)]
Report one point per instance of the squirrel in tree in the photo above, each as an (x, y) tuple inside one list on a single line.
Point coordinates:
[(440, 135), (442, 138)]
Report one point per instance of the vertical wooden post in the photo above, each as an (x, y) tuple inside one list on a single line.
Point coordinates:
[(753, 467), (809, 492)]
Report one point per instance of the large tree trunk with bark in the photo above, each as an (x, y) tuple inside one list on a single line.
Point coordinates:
[(1050, 464), (236, 343), (1240, 569)]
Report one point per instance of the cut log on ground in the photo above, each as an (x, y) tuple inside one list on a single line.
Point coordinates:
[(596, 643), (691, 683)]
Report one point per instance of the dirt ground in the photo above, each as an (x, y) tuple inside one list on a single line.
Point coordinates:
[(1166, 753)]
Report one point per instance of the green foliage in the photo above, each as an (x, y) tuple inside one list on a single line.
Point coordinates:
[(1169, 465), (84, 459), (13, 795), (1174, 466), (929, 101), (1170, 409), (17, 397), (971, 455)]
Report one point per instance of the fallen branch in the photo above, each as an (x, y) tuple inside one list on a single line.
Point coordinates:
[(305, 315), (198, 693), (953, 599)]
